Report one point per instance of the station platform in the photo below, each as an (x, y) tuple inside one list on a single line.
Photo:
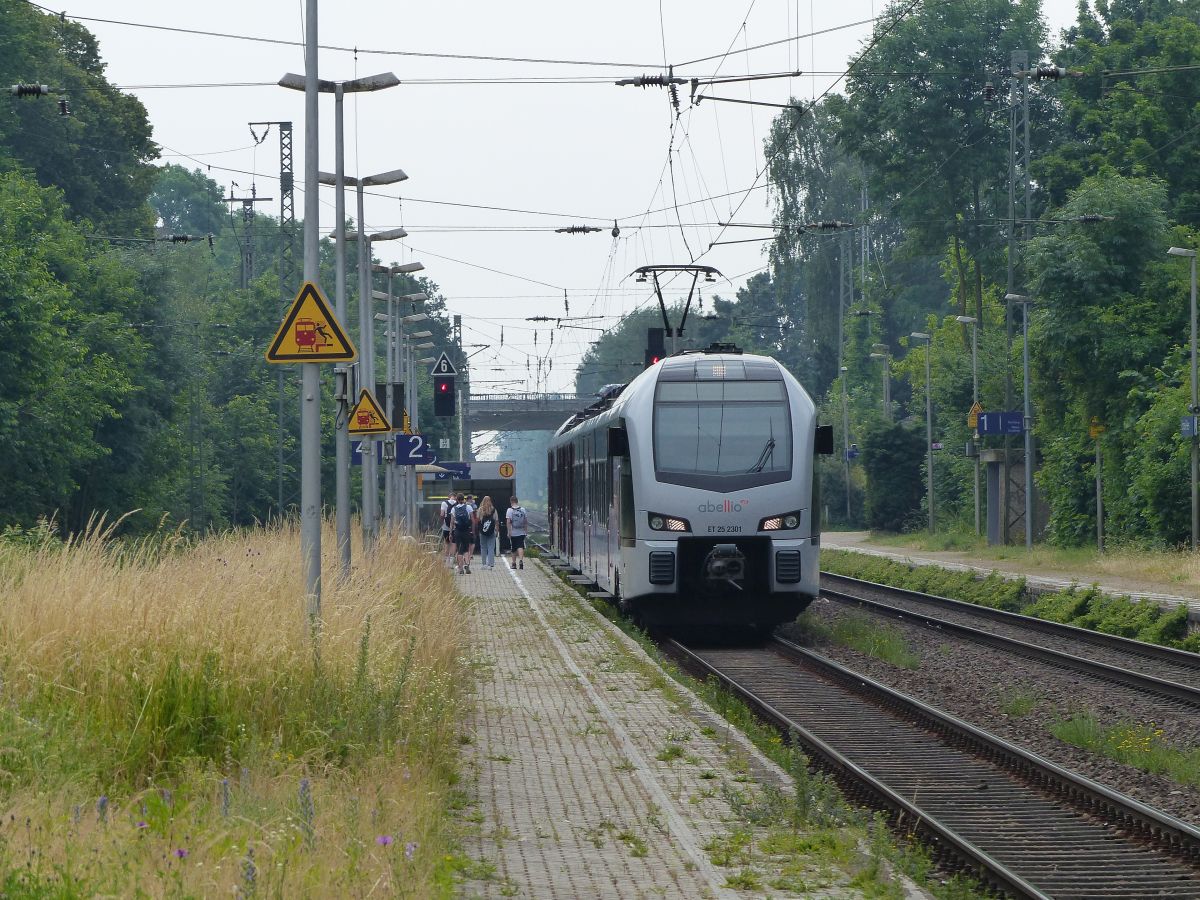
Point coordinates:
[(1038, 575), (592, 773)]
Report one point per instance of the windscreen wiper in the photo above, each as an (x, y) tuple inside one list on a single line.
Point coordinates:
[(768, 451)]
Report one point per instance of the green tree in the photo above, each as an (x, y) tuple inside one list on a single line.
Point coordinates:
[(935, 149), (893, 456), (98, 156)]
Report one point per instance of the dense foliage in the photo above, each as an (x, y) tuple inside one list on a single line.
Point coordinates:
[(915, 153), (132, 375)]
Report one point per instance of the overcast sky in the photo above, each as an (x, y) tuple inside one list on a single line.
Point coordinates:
[(549, 154)]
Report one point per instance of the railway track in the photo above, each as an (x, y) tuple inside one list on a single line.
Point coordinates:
[(1024, 825), (1149, 668)]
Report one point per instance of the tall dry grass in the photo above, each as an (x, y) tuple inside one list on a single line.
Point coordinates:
[(166, 693)]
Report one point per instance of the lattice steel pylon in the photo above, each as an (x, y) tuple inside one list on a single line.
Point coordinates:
[(287, 275)]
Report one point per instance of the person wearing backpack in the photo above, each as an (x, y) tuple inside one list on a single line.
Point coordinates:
[(489, 529), (464, 534), (518, 527), (447, 529)]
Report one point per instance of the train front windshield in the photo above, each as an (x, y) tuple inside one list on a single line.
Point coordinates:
[(725, 435)]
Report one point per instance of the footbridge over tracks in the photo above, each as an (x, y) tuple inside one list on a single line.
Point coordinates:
[(522, 412)]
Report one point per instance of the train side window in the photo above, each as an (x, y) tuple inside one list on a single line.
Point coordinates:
[(618, 441)]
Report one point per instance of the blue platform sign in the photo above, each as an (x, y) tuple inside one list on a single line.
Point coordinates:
[(1187, 426), (1001, 423), (457, 470), (356, 452), (414, 450)]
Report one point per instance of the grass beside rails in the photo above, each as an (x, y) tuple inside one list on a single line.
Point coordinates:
[(172, 727), (994, 590), (858, 631), (1140, 746), (1082, 607), (1164, 567)]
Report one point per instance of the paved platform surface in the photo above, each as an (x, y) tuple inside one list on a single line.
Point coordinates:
[(1165, 595), (595, 775)]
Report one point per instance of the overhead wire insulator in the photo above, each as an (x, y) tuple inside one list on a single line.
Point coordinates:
[(989, 92), (1051, 72), (616, 229), (29, 90), (674, 92)]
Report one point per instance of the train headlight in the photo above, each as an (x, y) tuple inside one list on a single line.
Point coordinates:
[(659, 522), (785, 522)]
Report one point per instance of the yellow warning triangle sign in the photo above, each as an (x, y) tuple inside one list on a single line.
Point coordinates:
[(310, 332), (406, 428), (367, 416)]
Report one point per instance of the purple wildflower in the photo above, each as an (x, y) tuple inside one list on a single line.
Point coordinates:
[(384, 840), (141, 825), (180, 853), (409, 849)]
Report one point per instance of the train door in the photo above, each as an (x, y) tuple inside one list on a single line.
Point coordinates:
[(589, 508), (614, 516)]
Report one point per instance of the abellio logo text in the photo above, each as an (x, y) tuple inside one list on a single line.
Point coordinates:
[(727, 506)]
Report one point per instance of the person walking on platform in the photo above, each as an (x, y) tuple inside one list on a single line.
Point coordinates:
[(518, 527), (472, 507), (464, 534), (488, 531), (447, 530)]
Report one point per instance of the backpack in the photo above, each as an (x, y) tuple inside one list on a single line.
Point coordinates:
[(485, 527), (519, 519), (462, 517)]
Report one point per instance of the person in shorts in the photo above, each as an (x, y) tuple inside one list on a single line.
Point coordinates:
[(447, 542), (464, 534), (518, 528)]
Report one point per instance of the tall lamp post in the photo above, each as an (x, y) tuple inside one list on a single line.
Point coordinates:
[(342, 435), (392, 369), (366, 321), (1028, 416), (1195, 407), (922, 336), (883, 353), (415, 515), (974, 323), (846, 439)]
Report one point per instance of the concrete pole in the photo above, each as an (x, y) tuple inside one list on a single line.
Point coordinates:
[(1028, 433), (366, 366), (414, 399), (974, 401), (1194, 409), (1099, 500), (342, 436), (846, 440), (389, 471), (929, 434), (310, 385)]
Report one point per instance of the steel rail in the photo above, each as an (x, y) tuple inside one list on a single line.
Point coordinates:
[(1171, 655), (1039, 776), (848, 772), (1150, 684)]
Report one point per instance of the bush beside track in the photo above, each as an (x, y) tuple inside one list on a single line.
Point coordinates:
[(1085, 607)]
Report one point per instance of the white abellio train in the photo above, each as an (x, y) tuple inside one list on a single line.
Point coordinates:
[(690, 493)]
